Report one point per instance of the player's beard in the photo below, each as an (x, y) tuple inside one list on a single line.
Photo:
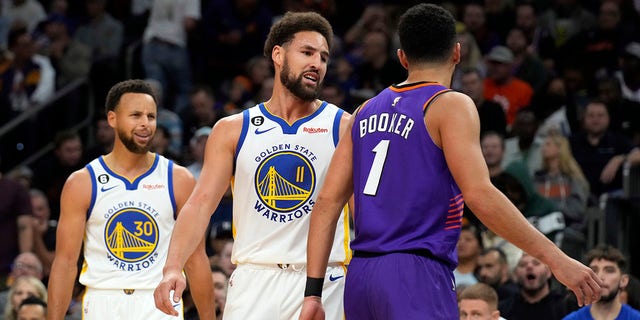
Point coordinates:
[(612, 294), (131, 145), (295, 85)]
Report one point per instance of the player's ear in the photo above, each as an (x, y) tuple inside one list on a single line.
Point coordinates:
[(277, 55), (456, 53), (495, 315), (111, 118), (402, 57)]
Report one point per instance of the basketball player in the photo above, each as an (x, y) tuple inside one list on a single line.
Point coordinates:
[(124, 206), (277, 154), (412, 153)]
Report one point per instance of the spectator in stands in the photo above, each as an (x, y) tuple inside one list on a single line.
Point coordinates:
[(630, 294), (4, 32), (102, 32), (524, 146), (238, 94), (597, 50), (601, 152), (32, 308), (104, 35), (29, 78), (27, 13), (14, 202), (22, 174), (536, 300), (341, 71), (478, 302), (493, 269), (468, 248), (502, 87), (203, 112), (491, 114), (233, 32), (24, 287), (104, 138), (378, 69), (51, 173), (196, 147), (70, 58), (374, 17), (561, 180), (526, 65), (565, 19), (220, 285), (25, 264), (624, 113), (257, 70), (165, 56), (527, 20), (629, 74), (555, 109), (610, 265), (222, 257), (492, 144), (474, 18), (167, 117), (470, 58), (333, 94), (40, 230), (160, 145)]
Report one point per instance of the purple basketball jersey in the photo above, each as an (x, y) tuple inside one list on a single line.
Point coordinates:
[(405, 196)]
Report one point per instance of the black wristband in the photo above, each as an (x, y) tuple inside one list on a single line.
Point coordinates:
[(314, 287)]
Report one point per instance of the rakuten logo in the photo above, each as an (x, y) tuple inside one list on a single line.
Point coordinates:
[(315, 130), (153, 186)]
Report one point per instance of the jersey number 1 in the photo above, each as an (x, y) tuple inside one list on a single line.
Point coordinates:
[(373, 180)]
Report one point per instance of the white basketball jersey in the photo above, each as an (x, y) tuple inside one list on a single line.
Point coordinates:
[(279, 171), (129, 226)]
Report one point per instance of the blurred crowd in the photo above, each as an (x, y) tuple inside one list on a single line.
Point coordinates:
[(556, 84)]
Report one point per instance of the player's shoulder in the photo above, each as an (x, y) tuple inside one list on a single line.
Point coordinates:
[(181, 172), (228, 124), (454, 96), (79, 181)]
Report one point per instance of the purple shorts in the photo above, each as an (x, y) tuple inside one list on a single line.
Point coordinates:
[(399, 286)]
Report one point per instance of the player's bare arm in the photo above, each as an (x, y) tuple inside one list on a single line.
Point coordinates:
[(336, 191), (195, 214), (452, 122), (197, 266), (74, 203)]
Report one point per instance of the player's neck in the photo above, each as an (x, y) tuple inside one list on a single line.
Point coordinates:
[(440, 74), (606, 310), (127, 163), (289, 107)]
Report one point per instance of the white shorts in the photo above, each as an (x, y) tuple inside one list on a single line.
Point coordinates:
[(275, 292), (123, 304)]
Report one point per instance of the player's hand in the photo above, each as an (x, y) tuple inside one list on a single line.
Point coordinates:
[(171, 281), (312, 309), (580, 279)]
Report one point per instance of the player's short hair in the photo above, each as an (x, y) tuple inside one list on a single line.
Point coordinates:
[(609, 253), (480, 291), (427, 33), (127, 86), (285, 29)]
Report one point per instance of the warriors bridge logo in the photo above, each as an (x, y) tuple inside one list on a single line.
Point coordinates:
[(284, 182), (131, 236)]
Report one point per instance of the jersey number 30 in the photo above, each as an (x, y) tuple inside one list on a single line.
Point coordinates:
[(373, 180)]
